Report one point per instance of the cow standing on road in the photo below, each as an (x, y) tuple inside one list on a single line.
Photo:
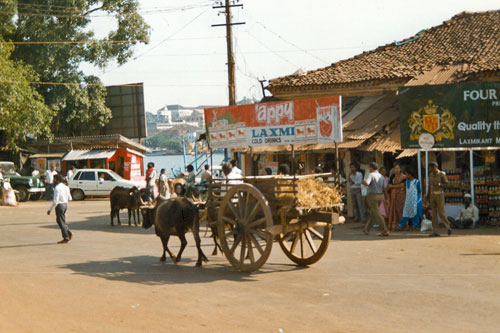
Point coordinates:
[(130, 198), (174, 217)]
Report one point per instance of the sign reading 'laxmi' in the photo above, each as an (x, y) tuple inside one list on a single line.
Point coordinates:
[(307, 121)]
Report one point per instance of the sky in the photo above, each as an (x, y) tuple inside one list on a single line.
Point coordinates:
[(185, 61)]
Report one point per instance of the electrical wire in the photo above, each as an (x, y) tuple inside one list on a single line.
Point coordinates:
[(271, 50), (101, 85), (292, 44), (163, 41), (101, 41)]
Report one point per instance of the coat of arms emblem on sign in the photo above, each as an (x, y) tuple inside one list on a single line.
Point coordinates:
[(432, 119)]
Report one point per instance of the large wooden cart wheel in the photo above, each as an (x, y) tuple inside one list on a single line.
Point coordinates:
[(306, 245), (241, 225)]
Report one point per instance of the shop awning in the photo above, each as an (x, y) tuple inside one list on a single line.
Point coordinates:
[(48, 155), (351, 144), (407, 153), (135, 152), (75, 155), (386, 143)]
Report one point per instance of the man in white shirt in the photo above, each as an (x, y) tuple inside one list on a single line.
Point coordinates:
[(377, 191), (49, 181), (468, 215), (235, 169), (206, 175), (70, 173), (61, 198)]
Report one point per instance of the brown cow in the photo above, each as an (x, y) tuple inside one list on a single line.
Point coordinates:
[(174, 217)]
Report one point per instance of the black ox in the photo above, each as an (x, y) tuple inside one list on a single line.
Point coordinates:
[(130, 198), (174, 217)]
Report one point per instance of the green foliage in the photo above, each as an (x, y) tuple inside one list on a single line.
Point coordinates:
[(151, 117), (80, 107), (169, 140), (22, 109)]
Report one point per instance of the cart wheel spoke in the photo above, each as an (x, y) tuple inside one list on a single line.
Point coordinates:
[(294, 243), (310, 241), (240, 205), (243, 248), (302, 244), (250, 251), (229, 220), (236, 242), (256, 243), (316, 233), (246, 206), (256, 223), (252, 214), (233, 210)]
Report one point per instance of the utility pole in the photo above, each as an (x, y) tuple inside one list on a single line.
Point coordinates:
[(229, 41)]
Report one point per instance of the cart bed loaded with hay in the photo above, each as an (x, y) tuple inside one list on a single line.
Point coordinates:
[(252, 212)]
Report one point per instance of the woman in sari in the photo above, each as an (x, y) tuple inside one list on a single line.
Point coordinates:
[(413, 203), (396, 189)]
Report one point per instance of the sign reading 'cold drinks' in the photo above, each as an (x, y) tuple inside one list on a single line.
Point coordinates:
[(306, 121), (458, 115)]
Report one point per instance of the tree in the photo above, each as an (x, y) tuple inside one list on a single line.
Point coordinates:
[(80, 104), (23, 112), (168, 139)]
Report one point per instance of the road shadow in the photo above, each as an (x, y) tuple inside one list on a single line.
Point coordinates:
[(354, 232), (26, 245), (480, 254), (101, 223), (149, 271)]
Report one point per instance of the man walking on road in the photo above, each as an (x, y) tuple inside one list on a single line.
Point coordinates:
[(60, 203), (437, 182), (376, 193)]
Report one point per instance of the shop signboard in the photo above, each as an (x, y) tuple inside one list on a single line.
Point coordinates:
[(306, 121), (463, 115)]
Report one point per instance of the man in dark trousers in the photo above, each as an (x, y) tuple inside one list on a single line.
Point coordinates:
[(60, 202)]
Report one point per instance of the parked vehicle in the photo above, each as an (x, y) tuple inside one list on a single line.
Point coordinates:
[(25, 186), (96, 182)]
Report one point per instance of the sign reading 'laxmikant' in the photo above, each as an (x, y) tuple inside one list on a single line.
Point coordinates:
[(307, 121), (458, 115)]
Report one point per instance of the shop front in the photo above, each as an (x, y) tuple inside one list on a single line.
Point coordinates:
[(462, 123)]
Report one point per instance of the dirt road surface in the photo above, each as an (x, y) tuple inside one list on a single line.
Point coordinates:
[(109, 279)]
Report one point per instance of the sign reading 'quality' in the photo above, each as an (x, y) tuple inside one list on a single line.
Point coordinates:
[(457, 115)]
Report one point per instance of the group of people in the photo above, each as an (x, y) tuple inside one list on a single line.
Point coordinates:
[(397, 201)]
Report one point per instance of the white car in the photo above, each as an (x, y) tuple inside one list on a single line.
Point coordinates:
[(95, 182)]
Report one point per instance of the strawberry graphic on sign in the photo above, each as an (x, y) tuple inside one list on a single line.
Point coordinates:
[(329, 124), (325, 127)]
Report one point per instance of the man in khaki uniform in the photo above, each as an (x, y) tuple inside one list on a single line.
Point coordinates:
[(437, 183)]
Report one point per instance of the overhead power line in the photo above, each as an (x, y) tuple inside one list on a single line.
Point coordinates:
[(102, 85), (161, 42), (80, 42), (292, 44)]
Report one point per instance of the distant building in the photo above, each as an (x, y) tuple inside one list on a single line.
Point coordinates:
[(164, 115), (196, 116)]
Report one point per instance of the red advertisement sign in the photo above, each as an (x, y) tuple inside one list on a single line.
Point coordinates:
[(305, 121)]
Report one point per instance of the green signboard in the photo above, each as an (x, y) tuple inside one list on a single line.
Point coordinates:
[(461, 115)]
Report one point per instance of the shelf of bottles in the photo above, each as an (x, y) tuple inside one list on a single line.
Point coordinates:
[(486, 193)]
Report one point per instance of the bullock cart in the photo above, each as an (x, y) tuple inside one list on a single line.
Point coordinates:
[(252, 212)]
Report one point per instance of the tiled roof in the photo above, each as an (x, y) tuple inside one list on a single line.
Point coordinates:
[(468, 42)]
